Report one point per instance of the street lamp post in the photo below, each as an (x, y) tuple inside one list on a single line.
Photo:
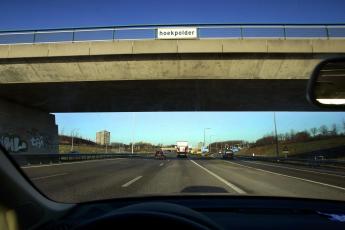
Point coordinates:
[(276, 135), (72, 134), (217, 145), (133, 131), (205, 135), (72, 142), (210, 145)]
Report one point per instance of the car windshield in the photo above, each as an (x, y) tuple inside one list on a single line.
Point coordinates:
[(112, 99), (93, 156)]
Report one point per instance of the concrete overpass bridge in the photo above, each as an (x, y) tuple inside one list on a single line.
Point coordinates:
[(136, 53), (225, 67)]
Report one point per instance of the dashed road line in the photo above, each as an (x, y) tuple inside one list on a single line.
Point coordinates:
[(131, 182), (44, 177)]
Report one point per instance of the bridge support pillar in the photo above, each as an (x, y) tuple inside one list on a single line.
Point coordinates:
[(25, 130)]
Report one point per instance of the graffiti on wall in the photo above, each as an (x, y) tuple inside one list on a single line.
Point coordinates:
[(13, 143), (39, 140), (31, 140)]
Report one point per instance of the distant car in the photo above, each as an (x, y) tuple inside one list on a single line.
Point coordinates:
[(159, 155), (74, 152), (235, 149), (228, 154), (204, 151), (319, 158)]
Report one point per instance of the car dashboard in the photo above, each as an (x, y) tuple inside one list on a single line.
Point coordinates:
[(228, 212)]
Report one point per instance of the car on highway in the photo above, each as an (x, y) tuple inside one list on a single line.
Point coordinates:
[(204, 151), (235, 149), (159, 155), (228, 154), (74, 152)]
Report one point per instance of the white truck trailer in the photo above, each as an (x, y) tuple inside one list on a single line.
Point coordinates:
[(182, 148)]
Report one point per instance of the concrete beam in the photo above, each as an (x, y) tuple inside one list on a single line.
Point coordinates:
[(154, 46), (113, 47), (329, 46), (37, 50), (69, 49), (289, 46), (245, 46), (305, 46), (4, 50), (200, 46), (156, 67), (168, 59)]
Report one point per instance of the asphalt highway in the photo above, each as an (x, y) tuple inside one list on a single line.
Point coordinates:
[(122, 177)]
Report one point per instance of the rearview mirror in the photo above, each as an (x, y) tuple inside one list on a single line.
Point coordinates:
[(326, 87)]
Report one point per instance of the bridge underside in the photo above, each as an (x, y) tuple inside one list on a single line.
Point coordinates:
[(161, 95), (160, 82)]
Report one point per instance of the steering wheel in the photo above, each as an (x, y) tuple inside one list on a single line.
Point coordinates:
[(150, 215)]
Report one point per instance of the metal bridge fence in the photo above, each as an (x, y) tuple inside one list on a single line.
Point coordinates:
[(149, 32)]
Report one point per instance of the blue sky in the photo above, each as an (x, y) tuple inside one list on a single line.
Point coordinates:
[(38, 14), (169, 127)]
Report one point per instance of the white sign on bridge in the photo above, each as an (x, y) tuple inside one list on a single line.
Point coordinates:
[(177, 33)]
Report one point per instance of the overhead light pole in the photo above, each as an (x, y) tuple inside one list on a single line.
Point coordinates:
[(133, 131), (210, 144), (205, 135), (72, 134), (276, 135)]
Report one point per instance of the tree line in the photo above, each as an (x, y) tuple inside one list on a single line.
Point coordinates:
[(315, 133)]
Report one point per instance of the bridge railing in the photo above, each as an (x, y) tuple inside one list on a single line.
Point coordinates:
[(205, 31)]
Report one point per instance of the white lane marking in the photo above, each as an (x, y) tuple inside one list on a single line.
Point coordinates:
[(69, 163), (297, 178), (44, 177), (303, 170), (161, 164), (131, 181), (232, 186)]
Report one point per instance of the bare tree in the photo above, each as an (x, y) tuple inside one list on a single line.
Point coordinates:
[(323, 130), (281, 137), (61, 131), (292, 134), (334, 130), (313, 131)]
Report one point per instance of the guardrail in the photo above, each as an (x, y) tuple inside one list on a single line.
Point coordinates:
[(307, 162), (35, 159), (228, 31)]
